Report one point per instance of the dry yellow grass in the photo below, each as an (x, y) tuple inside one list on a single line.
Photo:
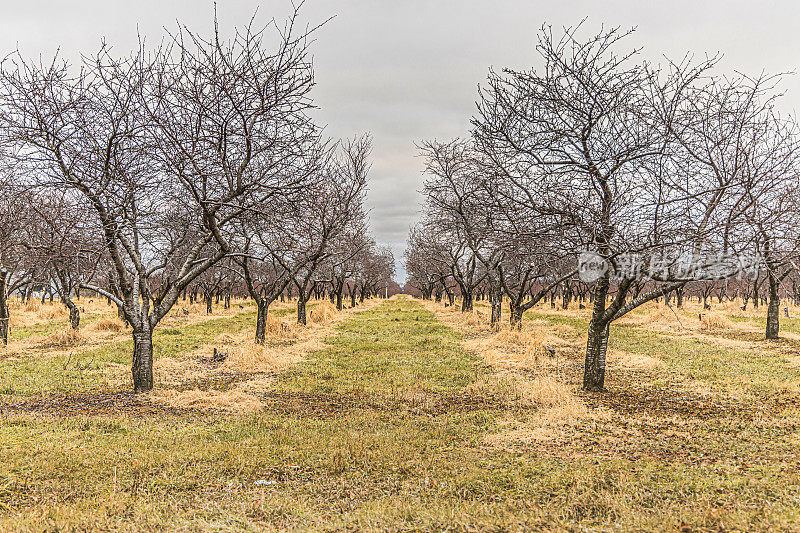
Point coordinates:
[(279, 329), (323, 313), (31, 306), (105, 324), (171, 372), (52, 312), (712, 321), (556, 405), (523, 391), (634, 361), (230, 401), (515, 349), (512, 350), (64, 338), (251, 357)]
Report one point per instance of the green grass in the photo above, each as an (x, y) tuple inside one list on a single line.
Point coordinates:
[(365, 439)]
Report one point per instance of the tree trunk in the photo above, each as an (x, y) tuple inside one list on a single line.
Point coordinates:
[(261, 320), (755, 293), (466, 302), (208, 299), (74, 314), (496, 301), (4, 317), (142, 368), (339, 298), (679, 294), (515, 318), (773, 310), (301, 308), (594, 372)]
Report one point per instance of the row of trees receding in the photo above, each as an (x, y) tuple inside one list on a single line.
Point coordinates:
[(189, 168), (598, 150)]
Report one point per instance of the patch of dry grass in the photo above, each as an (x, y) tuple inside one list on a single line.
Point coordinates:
[(280, 329), (635, 361), (323, 313), (230, 401), (106, 325), (515, 349), (65, 338), (252, 357), (713, 321), (519, 390), (513, 354)]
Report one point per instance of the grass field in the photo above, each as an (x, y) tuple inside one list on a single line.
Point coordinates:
[(401, 415)]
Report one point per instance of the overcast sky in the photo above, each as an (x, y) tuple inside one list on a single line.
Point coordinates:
[(409, 70)]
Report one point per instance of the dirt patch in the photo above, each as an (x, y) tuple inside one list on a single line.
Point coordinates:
[(98, 403)]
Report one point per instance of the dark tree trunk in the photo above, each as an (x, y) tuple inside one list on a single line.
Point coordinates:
[(142, 368), (466, 301), (4, 316), (339, 298), (227, 300), (301, 308), (261, 320), (353, 297), (515, 318), (496, 301), (208, 299), (74, 314), (773, 310), (755, 293), (594, 372), (679, 297)]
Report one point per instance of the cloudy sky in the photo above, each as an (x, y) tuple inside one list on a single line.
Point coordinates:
[(407, 71)]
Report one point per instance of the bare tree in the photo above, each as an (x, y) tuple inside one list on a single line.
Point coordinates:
[(63, 241), (330, 206), (590, 142), (205, 128), (16, 271)]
